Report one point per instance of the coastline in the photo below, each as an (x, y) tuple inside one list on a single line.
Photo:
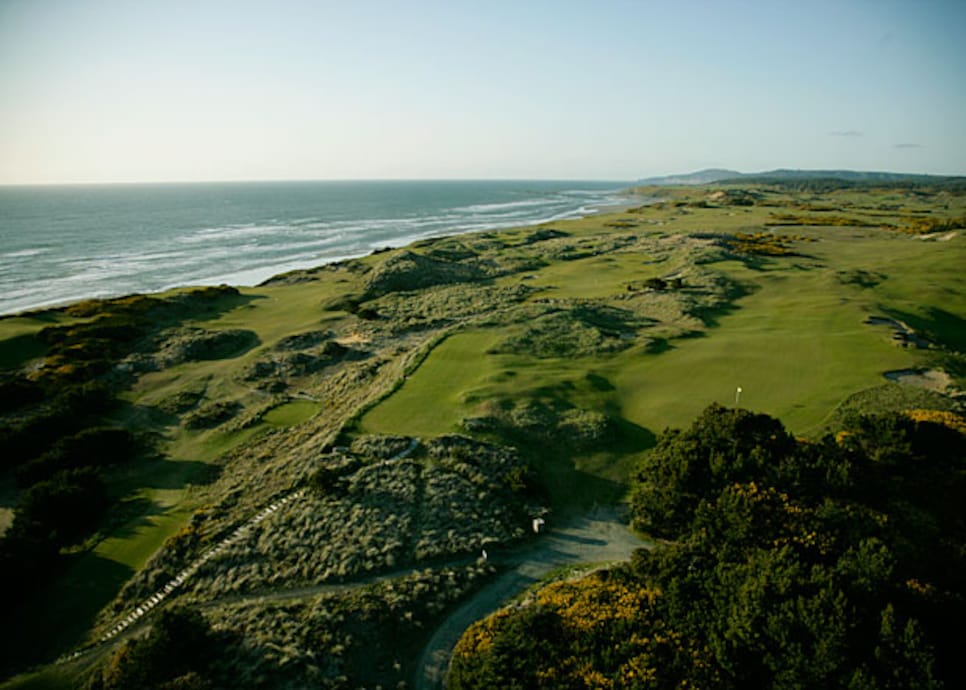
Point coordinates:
[(240, 248), (254, 275)]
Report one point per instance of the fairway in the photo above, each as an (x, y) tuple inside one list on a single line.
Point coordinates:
[(796, 342), (576, 346), (431, 402), (793, 348)]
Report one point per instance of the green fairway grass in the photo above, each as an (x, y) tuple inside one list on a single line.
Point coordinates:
[(291, 413), (796, 342), (789, 330), (431, 402)]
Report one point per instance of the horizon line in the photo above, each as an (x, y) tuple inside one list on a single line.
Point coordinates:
[(113, 183), (314, 179)]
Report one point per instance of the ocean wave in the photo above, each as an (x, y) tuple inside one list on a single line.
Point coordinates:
[(112, 252), (24, 253), (487, 208), (231, 232)]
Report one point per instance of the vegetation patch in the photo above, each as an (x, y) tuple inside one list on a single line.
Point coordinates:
[(923, 226), (580, 331), (91, 447), (197, 344), (273, 370), (763, 243), (887, 398), (211, 415), (366, 513), (177, 653), (551, 421), (735, 197), (441, 306), (823, 220), (408, 271), (303, 341), (790, 565), (860, 278), (183, 399), (370, 637)]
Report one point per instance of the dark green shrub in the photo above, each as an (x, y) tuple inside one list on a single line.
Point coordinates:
[(176, 654), (62, 509), (94, 447), (17, 393)]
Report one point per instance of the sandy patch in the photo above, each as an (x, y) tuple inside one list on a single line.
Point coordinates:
[(931, 379), (940, 236), (902, 334), (352, 339)]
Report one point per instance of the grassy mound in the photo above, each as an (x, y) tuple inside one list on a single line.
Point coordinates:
[(408, 271), (569, 342), (580, 331)]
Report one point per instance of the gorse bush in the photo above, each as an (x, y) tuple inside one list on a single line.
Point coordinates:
[(175, 654), (836, 563), (60, 510), (92, 447)]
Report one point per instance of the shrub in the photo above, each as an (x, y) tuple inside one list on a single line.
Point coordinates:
[(18, 392), (92, 447), (793, 565), (407, 271), (212, 415), (62, 509), (175, 654)]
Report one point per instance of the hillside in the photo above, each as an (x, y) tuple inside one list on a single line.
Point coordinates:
[(303, 477), (787, 564), (786, 176)]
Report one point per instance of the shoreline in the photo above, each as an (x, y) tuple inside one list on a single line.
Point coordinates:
[(255, 277)]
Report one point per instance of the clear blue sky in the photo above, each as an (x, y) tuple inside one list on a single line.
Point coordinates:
[(136, 90)]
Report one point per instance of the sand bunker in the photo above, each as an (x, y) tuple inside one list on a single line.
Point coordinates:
[(931, 379), (940, 236), (353, 339), (902, 334)]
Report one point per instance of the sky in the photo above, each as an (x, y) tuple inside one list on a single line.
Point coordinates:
[(141, 91)]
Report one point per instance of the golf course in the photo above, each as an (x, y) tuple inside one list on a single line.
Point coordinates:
[(422, 405)]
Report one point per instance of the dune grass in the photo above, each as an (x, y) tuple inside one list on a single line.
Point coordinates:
[(796, 343)]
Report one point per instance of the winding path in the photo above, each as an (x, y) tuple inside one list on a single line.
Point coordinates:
[(597, 537), (135, 615), (600, 536)]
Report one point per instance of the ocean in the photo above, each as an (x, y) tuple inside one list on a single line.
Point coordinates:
[(64, 243)]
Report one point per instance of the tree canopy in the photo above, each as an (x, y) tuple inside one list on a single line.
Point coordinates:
[(789, 564)]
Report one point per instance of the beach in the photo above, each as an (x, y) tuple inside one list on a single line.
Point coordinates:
[(61, 244)]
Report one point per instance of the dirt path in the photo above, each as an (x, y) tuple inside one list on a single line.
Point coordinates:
[(600, 536), (145, 607), (597, 537)]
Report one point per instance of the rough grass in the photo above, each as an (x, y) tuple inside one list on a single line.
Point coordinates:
[(795, 343), (788, 329)]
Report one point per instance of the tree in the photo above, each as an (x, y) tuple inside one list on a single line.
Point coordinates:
[(175, 654), (62, 509)]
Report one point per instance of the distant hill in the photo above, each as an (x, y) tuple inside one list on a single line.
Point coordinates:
[(784, 175), (699, 177)]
